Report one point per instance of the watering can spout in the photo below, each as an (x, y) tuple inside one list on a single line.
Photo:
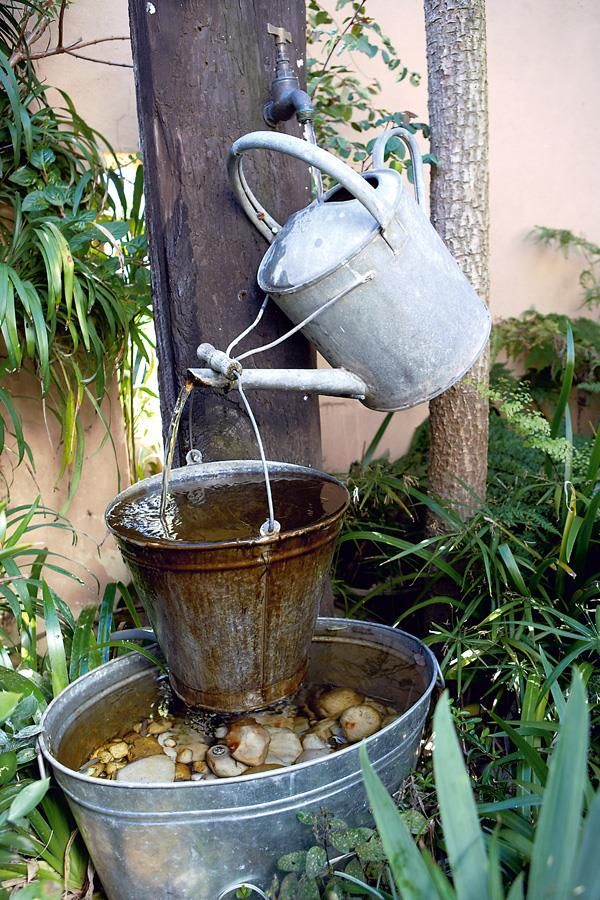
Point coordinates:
[(224, 373), (330, 382)]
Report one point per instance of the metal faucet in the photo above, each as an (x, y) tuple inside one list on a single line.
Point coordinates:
[(287, 99)]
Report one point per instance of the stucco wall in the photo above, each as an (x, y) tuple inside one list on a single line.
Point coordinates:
[(85, 550), (544, 81)]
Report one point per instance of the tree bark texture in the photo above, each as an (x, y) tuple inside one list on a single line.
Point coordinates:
[(458, 117), (203, 72)]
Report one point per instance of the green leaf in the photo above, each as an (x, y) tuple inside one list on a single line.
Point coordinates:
[(567, 384), (57, 194), (67, 264), (8, 702), (316, 862), (462, 832), (346, 840), (10, 85), (531, 755), (42, 158), (360, 888), (8, 766), (129, 604), (14, 681), (557, 836), (105, 617), (52, 262), (22, 445), (24, 176), (32, 305), (371, 850), (27, 799), (414, 820), (586, 881), (292, 862), (82, 312), (84, 654), (9, 324), (409, 870), (34, 202), (54, 638), (516, 891), (289, 887), (373, 446), (513, 569)]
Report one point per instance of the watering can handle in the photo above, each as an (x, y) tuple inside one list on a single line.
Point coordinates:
[(308, 153), (415, 157)]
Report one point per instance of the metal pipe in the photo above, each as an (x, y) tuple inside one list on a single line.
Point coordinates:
[(331, 382)]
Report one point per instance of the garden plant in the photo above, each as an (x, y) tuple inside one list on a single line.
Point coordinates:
[(504, 803)]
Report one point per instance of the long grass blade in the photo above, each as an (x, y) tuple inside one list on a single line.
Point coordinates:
[(513, 569), (56, 647), (372, 448), (567, 384), (408, 867), (105, 619), (555, 845), (531, 756), (462, 831), (586, 881), (23, 448), (80, 648)]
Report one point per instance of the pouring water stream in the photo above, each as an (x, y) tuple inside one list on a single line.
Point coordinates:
[(315, 173), (170, 449)]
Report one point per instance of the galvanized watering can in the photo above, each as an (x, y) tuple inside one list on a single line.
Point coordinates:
[(366, 278)]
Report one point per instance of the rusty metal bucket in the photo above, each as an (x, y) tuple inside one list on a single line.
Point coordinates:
[(234, 619)]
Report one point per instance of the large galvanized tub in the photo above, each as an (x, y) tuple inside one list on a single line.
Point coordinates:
[(250, 605), (199, 840)]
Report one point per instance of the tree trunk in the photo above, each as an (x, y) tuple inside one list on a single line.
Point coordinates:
[(203, 72), (458, 117)]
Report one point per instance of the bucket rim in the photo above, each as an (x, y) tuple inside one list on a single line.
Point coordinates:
[(214, 469), (325, 627)]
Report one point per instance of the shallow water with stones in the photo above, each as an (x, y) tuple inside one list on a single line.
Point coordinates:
[(178, 743)]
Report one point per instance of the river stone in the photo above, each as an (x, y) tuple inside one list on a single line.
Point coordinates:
[(150, 770), (144, 746)]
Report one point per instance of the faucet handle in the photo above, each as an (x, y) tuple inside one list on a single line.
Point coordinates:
[(280, 34)]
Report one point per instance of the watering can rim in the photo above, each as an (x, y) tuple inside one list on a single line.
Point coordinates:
[(254, 466), (371, 233), (328, 625)]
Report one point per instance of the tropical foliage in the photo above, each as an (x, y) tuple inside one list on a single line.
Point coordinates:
[(506, 803), (74, 284), (348, 118)]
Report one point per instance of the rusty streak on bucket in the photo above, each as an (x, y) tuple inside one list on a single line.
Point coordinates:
[(234, 619)]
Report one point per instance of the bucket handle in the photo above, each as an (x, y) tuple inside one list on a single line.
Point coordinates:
[(308, 153), (415, 157)]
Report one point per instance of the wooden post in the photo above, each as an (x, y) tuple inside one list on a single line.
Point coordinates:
[(203, 72)]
